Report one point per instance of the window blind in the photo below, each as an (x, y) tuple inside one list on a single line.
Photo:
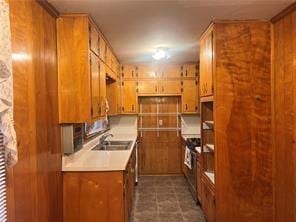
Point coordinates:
[(3, 205)]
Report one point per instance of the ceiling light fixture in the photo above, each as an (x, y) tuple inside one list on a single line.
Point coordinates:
[(161, 53)]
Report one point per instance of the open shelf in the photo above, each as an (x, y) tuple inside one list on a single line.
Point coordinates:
[(209, 147), (208, 125), (208, 140), (211, 176)]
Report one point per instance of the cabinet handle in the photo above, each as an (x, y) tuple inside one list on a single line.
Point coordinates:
[(133, 74), (186, 73), (155, 88), (133, 106), (186, 106)]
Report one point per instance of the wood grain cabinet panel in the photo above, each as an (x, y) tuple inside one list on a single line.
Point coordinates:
[(284, 116), (103, 96), (169, 87), (103, 48), (34, 183), (190, 70), (206, 63), (146, 71), (95, 86), (129, 96), (170, 71), (81, 50), (147, 87), (93, 39), (190, 96), (93, 196), (74, 69), (241, 107), (128, 72)]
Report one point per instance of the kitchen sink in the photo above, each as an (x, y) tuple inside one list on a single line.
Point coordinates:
[(113, 145)]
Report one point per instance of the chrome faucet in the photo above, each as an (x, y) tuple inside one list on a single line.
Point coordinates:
[(104, 137)]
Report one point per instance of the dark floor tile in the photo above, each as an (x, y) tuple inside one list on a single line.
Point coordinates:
[(170, 217), (195, 216), (161, 197), (168, 207), (164, 198), (147, 207), (145, 198), (164, 190), (188, 206), (145, 217)]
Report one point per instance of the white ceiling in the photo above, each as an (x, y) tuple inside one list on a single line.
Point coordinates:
[(136, 27)]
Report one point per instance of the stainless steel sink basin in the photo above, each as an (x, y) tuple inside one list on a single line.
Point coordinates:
[(113, 145)]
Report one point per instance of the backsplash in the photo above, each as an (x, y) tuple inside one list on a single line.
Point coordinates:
[(190, 124), (124, 124)]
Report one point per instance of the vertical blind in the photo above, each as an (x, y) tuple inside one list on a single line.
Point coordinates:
[(3, 206)]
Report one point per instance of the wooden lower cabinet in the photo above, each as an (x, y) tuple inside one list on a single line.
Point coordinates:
[(198, 178), (208, 200), (99, 196)]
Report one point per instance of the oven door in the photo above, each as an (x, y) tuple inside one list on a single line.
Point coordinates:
[(192, 174)]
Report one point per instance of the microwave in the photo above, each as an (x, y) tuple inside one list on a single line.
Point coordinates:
[(72, 138)]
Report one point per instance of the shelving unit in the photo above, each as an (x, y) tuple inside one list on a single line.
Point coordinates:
[(208, 140), (158, 127)]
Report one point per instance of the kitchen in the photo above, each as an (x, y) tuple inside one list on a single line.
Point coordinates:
[(148, 111)]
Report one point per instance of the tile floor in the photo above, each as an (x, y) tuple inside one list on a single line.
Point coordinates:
[(164, 199)]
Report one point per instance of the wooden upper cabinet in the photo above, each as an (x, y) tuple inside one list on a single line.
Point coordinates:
[(128, 72), (129, 96), (95, 86), (93, 39), (74, 82), (147, 87), (103, 97), (190, 70), (103, 48), (169, 87), (206, 63), (170, 71), (190, 97), (146, 71)]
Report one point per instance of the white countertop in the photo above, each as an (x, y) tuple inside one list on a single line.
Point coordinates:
[(88, 160)]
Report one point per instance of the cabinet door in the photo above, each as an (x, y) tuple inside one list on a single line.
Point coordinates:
[(147, 87), (170, 71), (129, 96), (95, 86), (169, 87), (128, 72), (190, 70), (208, 202), (102, 48), (102, 89), (190, 98), (93, 39), (146, 71), (198, 182), (206, 64), (112, 97), (119, 97), (108, 56)]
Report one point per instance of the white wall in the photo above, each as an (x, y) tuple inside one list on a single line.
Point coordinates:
[(190, 124), (124, 124)]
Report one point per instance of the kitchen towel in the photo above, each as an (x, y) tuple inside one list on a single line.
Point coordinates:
[(188, 158), (6, 87)]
